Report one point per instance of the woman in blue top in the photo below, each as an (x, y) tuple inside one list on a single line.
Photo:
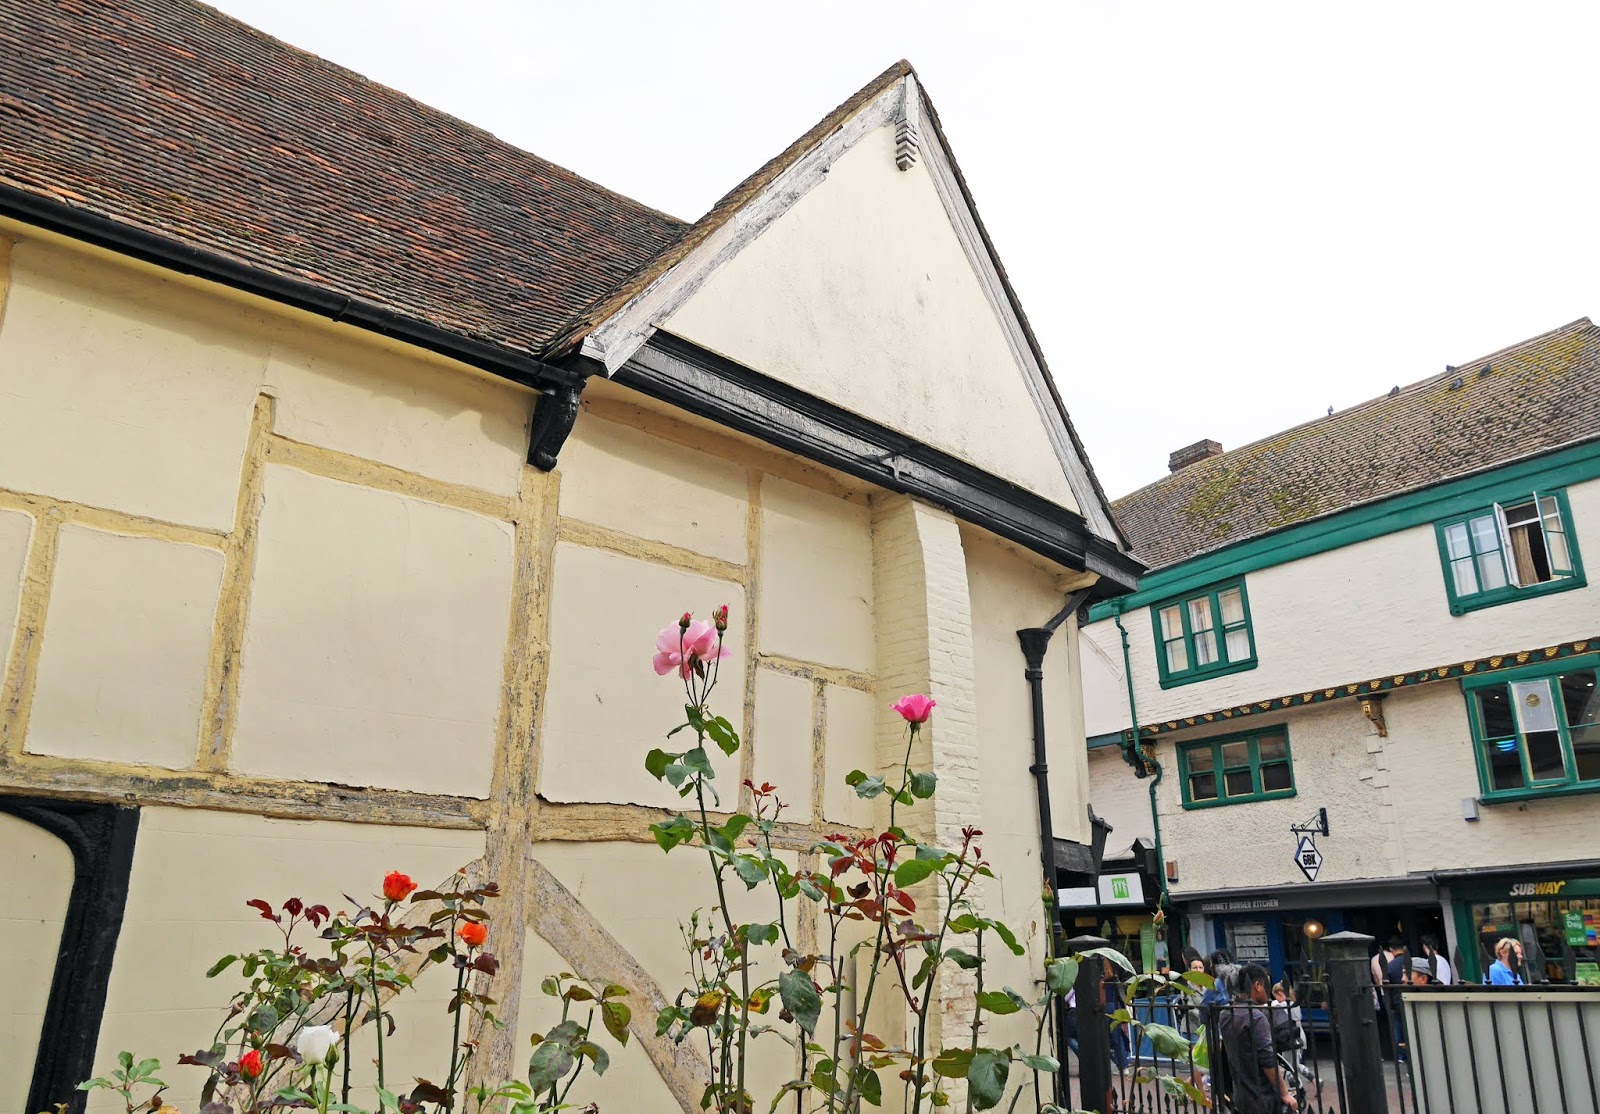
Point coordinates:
[(1507, 959)]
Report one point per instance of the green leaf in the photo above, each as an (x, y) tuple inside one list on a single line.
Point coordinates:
[(1041, 1063), (656, 763), (577, 993), (667, 1018), (868, 1085), (922, 784), (387, 1099), (800, 998), (1000, 1002), (1060, 975), (952, 1063), (1004, 932), (723, 734), (1198, 979), (1176, 1087), (823, 1078), (762, 933), (866, 787), (735, 826), (550, 1063), (220, 966), (699, 762), (912, 871), (550, 985), (964, 960), (1116, 957), (794, 1086), (986, 1077), (1167, 1041), (670, 833), (751, 870)]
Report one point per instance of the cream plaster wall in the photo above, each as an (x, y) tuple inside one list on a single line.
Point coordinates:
[(623, 478), (404, 410), (374, 646), (123, 663), (1105, 687), (641, 895), (160, 1003), (121, 391), (15, 531), (783, 740), (605, 707), (816, 576), (1333, 618), (36, 875), (861, 294), (851, 725)]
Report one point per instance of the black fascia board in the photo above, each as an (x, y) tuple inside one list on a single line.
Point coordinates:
[(175, 255), (689, 377)]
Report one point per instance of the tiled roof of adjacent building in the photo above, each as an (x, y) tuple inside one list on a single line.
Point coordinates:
[(283, 161), (1530, 398)]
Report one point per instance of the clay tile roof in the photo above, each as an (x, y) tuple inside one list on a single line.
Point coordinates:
[(170, 117), (1535, 396)]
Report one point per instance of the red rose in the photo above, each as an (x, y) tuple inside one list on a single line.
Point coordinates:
[(397, 886), (250, 1064), (473, 934)]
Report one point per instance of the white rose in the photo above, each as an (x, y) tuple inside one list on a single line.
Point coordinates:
[(317, 1044)]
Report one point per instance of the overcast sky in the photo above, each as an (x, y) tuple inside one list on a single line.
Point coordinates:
[(1222, 218)]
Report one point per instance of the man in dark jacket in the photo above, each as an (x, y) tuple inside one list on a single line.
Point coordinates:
[(1257, 1086)]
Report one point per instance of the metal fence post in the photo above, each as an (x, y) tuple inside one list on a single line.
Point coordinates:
[(1355, 1021), (1094, 1028)]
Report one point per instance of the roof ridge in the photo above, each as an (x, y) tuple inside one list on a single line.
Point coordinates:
[(1451, 371), (402, 95)]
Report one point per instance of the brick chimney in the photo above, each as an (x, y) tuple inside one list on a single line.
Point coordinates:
[(1193, 454)]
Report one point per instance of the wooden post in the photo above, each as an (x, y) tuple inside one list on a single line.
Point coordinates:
[(1355, 1021), (1094, 1028)]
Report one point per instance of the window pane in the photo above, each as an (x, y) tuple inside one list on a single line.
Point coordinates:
[(1238, 644), (1495, 706), (1580, 699), (1505, 764), (1455, 540), (1466, 576), (1205, 648), (1240, 783), (1521, 514), (1171, 623), (1177, 656), (1545, 759), (1232, 606), (1492, 571), (1486, 543), (1236, 754), (1274, 776), (1200, 758), (1202, 787), (1556, 534), (1273, 748), (1485, 535), (1200, 614), (1536, 707)]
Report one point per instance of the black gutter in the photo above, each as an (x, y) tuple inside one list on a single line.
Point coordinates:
[(1035, 642), (174, 255)]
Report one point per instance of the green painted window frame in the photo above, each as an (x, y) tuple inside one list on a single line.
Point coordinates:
[(1509, 593), (1215, 745), (1171, 678), (1570, 785)]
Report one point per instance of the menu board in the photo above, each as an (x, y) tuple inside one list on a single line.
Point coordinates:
[(1249, 942)]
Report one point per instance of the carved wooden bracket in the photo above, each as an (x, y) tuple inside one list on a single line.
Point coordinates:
[(553, 417), (1372, 708)]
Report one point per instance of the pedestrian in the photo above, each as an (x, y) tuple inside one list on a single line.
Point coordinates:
[(1115, 1000), (1507, 963), (1441, 966), (1224, 971), (1288, 1033), (1421, 973), (1394, 974), (1254, 1081)]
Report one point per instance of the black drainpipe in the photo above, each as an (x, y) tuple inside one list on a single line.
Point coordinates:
[(1035, 641)]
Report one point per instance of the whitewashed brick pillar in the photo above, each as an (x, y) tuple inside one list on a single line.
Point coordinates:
[(924, 629)]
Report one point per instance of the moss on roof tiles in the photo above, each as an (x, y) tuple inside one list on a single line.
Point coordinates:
[(1539, 394)]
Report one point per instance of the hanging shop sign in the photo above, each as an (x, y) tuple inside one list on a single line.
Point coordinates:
[(1306, 855), (1121, 889)]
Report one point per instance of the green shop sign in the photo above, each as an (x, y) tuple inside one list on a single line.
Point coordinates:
[(1528, 889)]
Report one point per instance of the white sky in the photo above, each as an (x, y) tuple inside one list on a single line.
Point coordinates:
[(1221, 217)]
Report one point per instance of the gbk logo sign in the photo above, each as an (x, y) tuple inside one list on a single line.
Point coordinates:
[(1119, 889)]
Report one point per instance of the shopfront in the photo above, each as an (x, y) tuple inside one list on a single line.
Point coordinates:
[(1120, 907), (1555, 915)]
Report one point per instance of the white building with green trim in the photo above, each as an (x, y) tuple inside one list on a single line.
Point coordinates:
[(1380, 619)]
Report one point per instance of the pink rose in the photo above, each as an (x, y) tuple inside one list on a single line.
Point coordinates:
[(915, 708), (682, 648)]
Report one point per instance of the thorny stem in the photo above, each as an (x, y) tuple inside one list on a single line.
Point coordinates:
[(837, 967), (455, 1037), (977, 1010), (377, 1000), (953, 898), (883, 913), (349, 1018)]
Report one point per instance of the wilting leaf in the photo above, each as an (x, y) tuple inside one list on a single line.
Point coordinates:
[(706, 1008), (550, 1063), (616, 1016), (800, 998)]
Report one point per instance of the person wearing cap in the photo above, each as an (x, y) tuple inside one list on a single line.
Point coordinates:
[(1421, 972)]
